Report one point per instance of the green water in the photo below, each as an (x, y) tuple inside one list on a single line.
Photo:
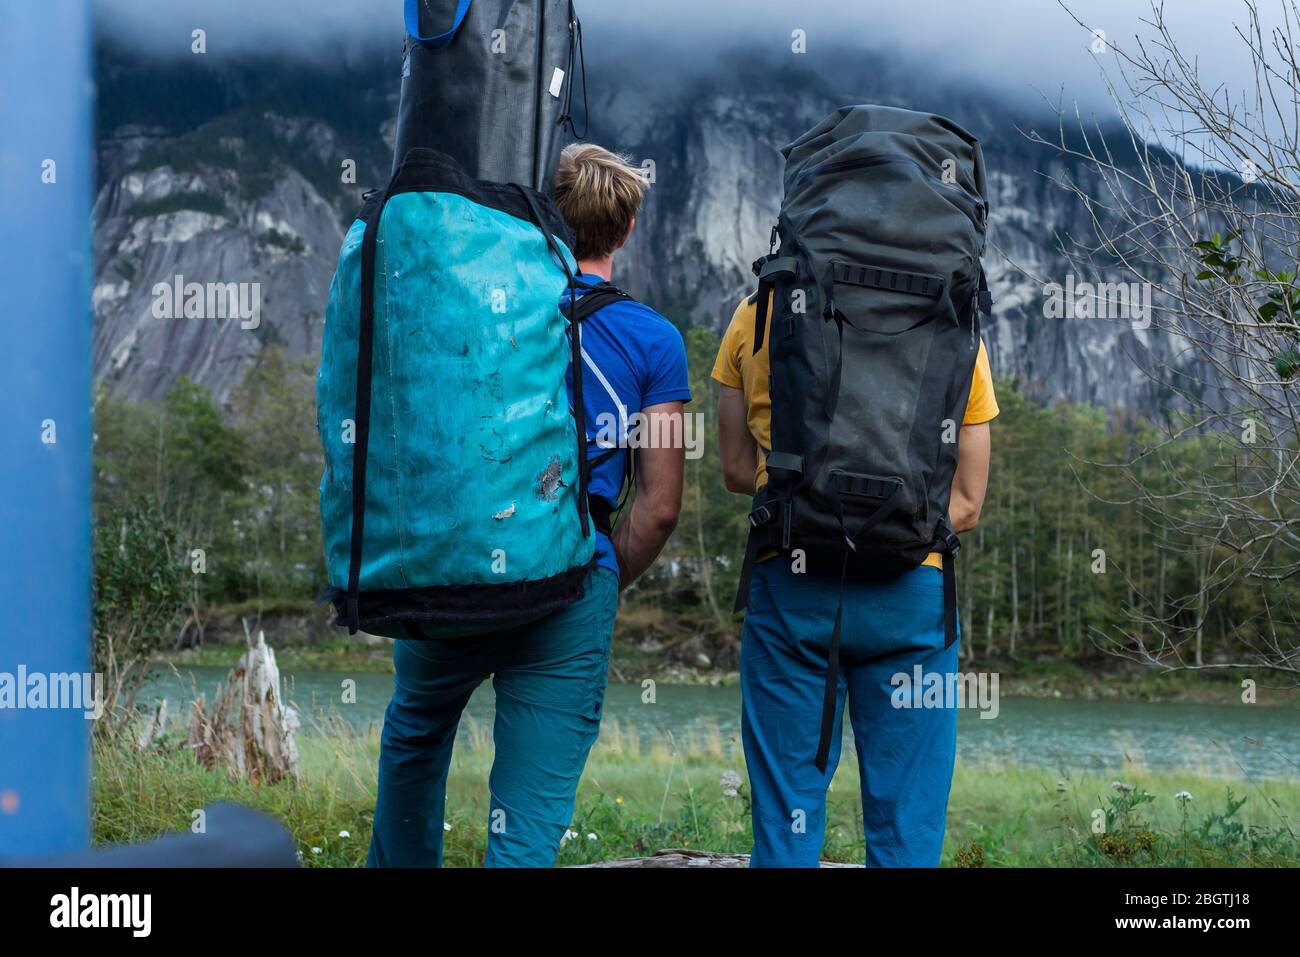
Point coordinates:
[(1220, 740)]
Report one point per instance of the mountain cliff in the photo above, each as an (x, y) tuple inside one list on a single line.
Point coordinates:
[(240, 173)]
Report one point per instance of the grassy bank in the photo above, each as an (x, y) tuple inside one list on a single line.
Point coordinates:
[(637, 798)]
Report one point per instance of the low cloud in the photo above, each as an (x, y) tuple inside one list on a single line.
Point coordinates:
[(1017, 46)]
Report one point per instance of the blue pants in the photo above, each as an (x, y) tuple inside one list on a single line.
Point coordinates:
[(549, 677), (905, 755)]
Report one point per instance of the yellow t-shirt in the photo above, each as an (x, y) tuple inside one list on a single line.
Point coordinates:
[(739, 367)]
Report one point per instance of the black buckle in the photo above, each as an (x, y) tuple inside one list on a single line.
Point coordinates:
[(759, 263), (760, 516)]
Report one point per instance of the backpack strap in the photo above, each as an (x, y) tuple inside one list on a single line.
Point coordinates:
[(575, 342), (579, 309), (596, 297), (361, 412), (950, 545), (890, 494), (765, 512), (984, 297), (770, 270), (769, 521)]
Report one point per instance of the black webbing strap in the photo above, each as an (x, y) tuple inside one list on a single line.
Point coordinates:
[(760, 313), (361, 443), (602, 515), (596, 298), (865, 486), (769, 510), (575, 358), (779, 269), (752, 545), (602, 512), (759, 518), (770, 270), (890, 280), (577, 58), (875, 277), (950, 546), (831, 695), (783, 462), (985, 298)]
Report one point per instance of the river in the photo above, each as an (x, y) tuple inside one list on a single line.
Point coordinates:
[(1216, 740)]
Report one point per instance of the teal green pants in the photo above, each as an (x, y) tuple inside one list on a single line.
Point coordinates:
[(549, 677)]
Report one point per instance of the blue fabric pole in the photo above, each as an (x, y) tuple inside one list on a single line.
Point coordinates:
[(46, 179)]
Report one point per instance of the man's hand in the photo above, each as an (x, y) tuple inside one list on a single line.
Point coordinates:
[(639, 538)]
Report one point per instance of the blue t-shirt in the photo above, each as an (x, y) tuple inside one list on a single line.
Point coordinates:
[(633, 358)]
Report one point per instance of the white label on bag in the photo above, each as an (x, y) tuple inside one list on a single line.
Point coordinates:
[(557, 82)]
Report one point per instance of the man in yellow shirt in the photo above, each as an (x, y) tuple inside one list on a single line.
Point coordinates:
[(892, 624)]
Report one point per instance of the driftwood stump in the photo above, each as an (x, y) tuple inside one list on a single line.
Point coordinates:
[(155, 727), (249, 730), (681, 857)]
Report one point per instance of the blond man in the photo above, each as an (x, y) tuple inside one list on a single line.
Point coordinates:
[(550, 675)]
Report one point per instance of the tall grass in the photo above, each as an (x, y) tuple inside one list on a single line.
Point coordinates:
[(639, 796)]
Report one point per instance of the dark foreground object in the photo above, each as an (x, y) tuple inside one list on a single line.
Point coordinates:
[(340, 907), (232, 836)]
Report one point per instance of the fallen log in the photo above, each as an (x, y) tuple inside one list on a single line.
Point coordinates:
[(684, 857)]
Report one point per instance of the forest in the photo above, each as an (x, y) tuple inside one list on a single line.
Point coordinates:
[(202, 509)]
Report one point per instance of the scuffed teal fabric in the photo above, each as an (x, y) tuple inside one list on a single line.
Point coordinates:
[(473, 451)]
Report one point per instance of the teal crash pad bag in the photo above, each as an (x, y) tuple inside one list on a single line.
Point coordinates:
[(453, 496)]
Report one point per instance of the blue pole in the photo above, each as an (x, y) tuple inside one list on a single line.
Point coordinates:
[(46, 182)]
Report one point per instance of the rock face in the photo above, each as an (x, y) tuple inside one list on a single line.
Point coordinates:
[(157, 224), (255, 192)]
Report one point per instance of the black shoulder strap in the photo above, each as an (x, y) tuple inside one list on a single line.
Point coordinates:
[(361, 434), (984, 296), (595, 299), (579, 309)]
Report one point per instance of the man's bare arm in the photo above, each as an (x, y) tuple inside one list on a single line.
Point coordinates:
[(736, 445), (971, 482), (639, 538)]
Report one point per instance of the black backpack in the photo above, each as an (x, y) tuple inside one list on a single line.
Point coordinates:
[(877, 290)]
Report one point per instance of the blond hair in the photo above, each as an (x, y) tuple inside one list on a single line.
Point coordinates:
[(599, 194)]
